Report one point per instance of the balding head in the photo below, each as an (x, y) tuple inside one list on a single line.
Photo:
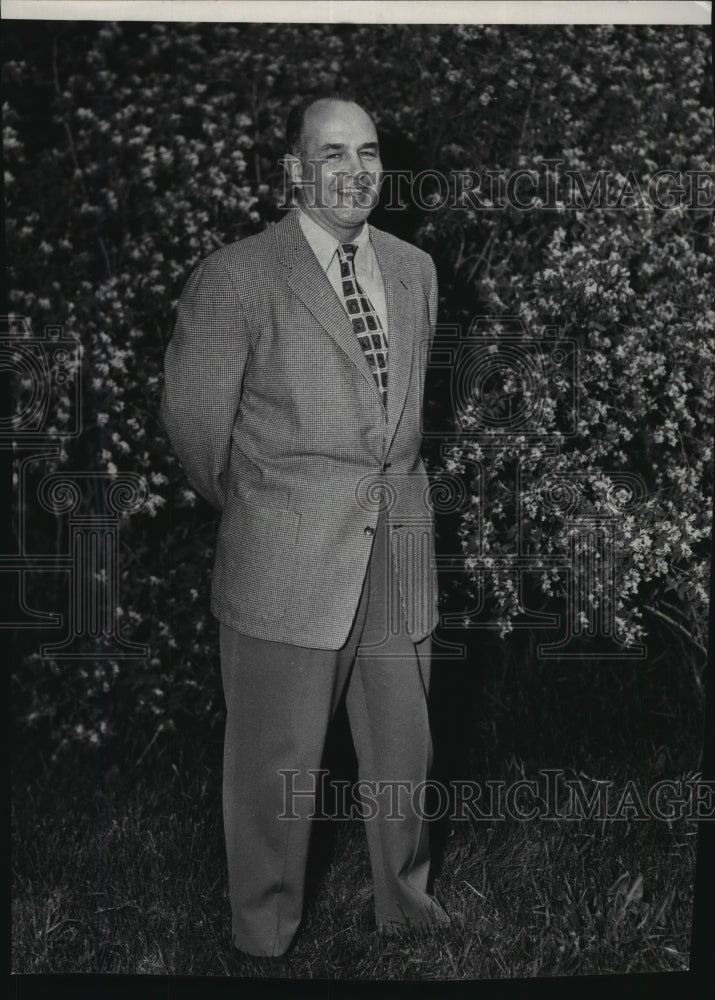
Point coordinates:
[(335, 168), (295, 123)]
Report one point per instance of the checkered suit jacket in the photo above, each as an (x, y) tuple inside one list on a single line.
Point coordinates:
[(271, 406)]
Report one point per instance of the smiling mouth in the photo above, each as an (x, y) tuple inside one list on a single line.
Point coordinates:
[(359, 192), (355, 198)]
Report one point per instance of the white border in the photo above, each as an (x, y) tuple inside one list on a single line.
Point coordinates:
[(367, 11)]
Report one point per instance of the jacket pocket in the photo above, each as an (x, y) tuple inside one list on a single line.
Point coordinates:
[(255, 551)]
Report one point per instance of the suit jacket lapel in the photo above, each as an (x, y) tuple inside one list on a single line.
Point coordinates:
[(308, 280), (400, 332)]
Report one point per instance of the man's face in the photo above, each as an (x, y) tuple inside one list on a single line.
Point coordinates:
[(339, 168)]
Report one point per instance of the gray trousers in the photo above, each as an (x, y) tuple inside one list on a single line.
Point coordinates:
[(280, 699)]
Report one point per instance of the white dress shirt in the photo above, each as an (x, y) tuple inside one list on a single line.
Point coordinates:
[(324, 245)]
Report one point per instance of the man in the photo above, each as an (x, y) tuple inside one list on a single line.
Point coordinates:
[(293, 393)]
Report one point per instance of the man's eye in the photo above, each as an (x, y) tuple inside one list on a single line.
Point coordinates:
[(369, 153)]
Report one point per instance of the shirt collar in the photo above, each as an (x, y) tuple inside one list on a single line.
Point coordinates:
[(324, 244)]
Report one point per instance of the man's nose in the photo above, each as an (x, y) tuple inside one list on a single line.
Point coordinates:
[(354, 165)]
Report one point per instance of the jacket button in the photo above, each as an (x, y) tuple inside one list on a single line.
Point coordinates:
[(369, 530)]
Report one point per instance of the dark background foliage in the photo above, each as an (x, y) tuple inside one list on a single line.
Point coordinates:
[(133, 150)]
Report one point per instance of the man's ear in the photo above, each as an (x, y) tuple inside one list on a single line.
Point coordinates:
[(293, 168)]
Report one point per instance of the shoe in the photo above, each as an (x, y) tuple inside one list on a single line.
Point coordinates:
[(275, 966)]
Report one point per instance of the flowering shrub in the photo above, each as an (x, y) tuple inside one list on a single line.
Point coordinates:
[(629, 280), (644, 403), (133, 150)]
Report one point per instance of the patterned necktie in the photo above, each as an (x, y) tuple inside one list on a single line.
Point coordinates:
[(365, 321)]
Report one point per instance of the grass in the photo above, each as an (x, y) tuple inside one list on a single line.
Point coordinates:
[(120, 869), (132, 880)]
